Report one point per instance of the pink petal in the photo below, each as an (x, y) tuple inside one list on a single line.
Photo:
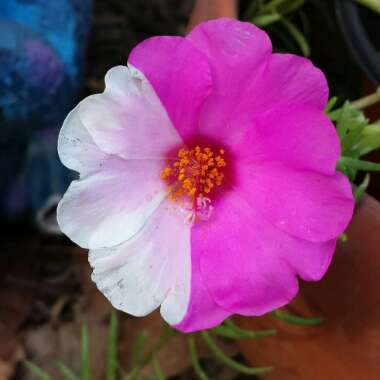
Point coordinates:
[(248, 80), (305, 204), (238, 53), (202, 311), (235, 50), (152, 268), (290, 80), (128, 119), (250, 266), (301, 137), (180, 75), (109, 207)]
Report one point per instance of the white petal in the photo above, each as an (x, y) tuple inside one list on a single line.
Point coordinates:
[(128, 119), (76, 148), (110, 206), (152, 268)]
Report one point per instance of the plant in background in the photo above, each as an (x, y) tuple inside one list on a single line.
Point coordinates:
[(358, 137), (371, 4), (144, 355), (286, 20)]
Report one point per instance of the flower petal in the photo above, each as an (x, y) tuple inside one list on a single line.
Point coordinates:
[(305, 204), (109, 207), (128, 119), (76, 148), (150, 269), (202, 311), (290, 80), (180, 75), (238, 53), (235, 50), (302, 137), (250, 266)]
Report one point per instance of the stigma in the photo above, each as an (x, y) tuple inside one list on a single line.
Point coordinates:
[(194, 175)]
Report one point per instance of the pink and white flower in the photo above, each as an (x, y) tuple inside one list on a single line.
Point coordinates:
[(207, 177)]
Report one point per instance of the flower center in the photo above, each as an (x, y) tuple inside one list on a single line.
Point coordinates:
[(195, 174)]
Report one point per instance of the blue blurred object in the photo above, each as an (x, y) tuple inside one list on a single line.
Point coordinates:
[(42, 58)]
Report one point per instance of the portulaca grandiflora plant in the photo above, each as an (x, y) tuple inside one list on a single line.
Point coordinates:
[(211, 178)]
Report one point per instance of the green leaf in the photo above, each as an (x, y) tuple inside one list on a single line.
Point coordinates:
[(357, 164), (85, 371), (362, 188), (281, 6), (167, 333), (232, 331), (350, 124), (369, 141), (138, 346), (131, 375), (295, 320), (157, 370), (201, 374), (111, 364), (298, 36), (368, 100), (371, 4), (66, 372), (290, 6), (230, 362), (343, 238), (331, 104), (264, 20), (228, 333), (37, 371)]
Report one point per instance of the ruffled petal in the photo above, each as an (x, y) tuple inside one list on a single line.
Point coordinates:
[(305, 204), (249, 266), (180, 75), (153, 268), (248, 80), (237, 53), (302, 138), (128, 119), (76, 148), (109, 207), (289, 80), (234, 49)]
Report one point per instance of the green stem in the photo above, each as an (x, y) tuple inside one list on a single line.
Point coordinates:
[(270, 7), (230, 362), (295, 320), (66, 372), (248, 333), (359, 191), (367, 101), (298, 36), (37, 371), (201, 374), (157, 370), (85, 368), (166, 335), (111, 361), (372, 4)]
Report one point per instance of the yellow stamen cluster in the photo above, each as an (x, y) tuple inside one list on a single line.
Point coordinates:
[(195, 173)]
